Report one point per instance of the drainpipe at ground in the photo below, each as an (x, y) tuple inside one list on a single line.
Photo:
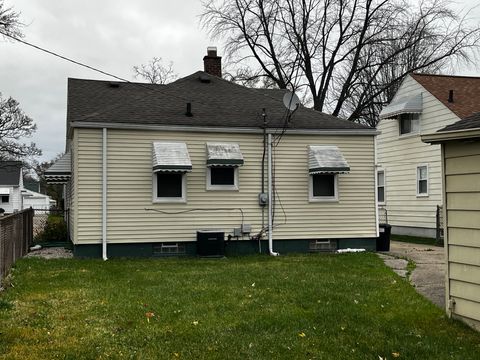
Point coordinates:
[(270, 199), (104, 194)]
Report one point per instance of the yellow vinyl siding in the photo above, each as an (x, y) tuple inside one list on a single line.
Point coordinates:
[(462, 179), (130, 189), (399, 156)]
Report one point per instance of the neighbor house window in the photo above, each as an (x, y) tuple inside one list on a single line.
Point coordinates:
[(222, 178), (5, 199), (381, 186), (409, 124), (422, 180), (169, 187), (323, 187)]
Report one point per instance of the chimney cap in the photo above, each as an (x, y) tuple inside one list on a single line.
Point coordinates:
[(212, 51)]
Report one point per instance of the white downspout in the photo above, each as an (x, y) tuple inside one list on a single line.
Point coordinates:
[(270, 199), (104, 194), (377, 225)]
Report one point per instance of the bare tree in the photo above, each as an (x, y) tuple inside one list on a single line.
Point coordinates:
[(14, 125), (155, 72), (349, 56), (9, 21)]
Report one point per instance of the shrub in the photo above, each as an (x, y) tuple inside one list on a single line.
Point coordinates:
[(55, 229)]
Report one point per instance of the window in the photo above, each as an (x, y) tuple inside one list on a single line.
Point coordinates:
[(381, 186), (409, 124), (169, 187), (222, 178), (422, 180), (5, 199), (323, 187)]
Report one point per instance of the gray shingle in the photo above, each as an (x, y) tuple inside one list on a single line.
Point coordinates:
[(469, 122), (217, 103)]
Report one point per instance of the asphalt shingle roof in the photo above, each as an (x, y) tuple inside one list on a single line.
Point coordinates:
[(10, 173), (470, 122), (466, 91), (217, 103)]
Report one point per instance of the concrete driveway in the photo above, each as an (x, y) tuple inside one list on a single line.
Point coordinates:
[(429, 274)]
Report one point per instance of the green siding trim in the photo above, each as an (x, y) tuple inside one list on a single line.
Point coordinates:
[(232, 248)]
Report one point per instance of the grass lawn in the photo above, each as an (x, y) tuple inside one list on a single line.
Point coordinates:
[(347, 306), (414, 239)]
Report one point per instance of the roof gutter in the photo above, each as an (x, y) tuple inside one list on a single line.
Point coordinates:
[(217, 129), (442, 136)]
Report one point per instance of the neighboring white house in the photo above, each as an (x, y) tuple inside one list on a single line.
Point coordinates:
[(409, 171), (11, 184), (13, 195)]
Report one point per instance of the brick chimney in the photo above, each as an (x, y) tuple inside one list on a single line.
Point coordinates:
[(212, 63)]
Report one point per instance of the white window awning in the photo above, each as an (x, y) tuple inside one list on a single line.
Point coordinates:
[(224, 154), (405, 105), (4, 191), (326, 159), (61, 171), (171, 157)]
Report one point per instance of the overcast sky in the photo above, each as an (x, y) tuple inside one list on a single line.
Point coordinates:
[(112, 35)]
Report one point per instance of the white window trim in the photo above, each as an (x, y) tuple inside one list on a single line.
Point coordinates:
[(418, 180), (312, 198), (157, 200), (384, 186), (410, 134), (233, 187)]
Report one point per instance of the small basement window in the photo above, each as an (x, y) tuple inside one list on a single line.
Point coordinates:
[(5, 199), (169, 187), (323, 187), (222, 178), (422, 180), (409, 124)]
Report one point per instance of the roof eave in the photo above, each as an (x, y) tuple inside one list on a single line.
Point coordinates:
[(442, 136)]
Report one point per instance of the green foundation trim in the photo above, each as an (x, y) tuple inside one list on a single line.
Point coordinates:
[(232, 248)]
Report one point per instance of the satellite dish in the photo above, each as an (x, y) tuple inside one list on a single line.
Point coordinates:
[(291, 101)]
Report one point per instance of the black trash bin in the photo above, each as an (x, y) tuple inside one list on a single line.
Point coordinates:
[(383, 240)]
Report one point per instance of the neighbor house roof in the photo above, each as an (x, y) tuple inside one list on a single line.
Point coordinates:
[(10, 172), (469, 122), (466, 128), (465, 91), (215, 102)]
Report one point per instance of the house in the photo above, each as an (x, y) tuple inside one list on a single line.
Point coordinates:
[(408, 170), (151, 168), (11, 185), (460, 164), (14, 195)]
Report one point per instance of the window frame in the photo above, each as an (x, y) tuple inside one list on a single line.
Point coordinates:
[(419, 194), (5, 202), (233, 187), (312, 198), (411, 119), (156, 199), (384, 186)]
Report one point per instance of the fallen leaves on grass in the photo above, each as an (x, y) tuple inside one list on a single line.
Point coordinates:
[(195, 322), (149, 315), (396, 354), (301, 334)]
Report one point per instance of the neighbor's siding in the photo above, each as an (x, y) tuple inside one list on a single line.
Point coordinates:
[(462, 183), (399, 156), (130, 189)]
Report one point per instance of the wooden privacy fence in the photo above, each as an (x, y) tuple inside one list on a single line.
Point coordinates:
[(16, 236)]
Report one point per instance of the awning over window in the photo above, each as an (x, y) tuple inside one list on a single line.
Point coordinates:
[(60, 171), (405, 105), (171, 157), (224, 154), (326, 159), (4, 191)]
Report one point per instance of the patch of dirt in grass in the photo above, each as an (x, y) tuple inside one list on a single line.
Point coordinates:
[(51, 253)]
